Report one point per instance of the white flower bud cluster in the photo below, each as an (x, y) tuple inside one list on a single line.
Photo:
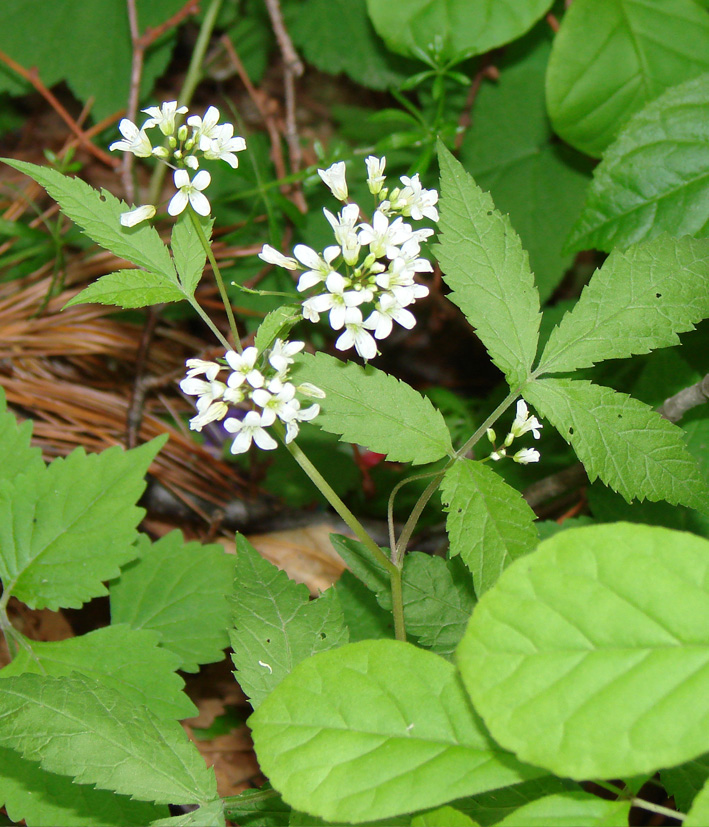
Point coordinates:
[(368, 275), (259, 380), (523, 423), (199, 138)]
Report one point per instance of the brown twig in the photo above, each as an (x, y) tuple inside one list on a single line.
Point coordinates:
[(285, 44), (553, 22), (32, 76), (152, 33), (675, 407), (486, 71)]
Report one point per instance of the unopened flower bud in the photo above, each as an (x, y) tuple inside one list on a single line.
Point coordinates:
[(183, 132)]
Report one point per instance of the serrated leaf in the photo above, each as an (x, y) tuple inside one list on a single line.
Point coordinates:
[(370, 408), (639, 300), (129, 288), (362, 563), (76, 727), (98, 214), (587, 652), (180, 590), (374, 729), (208, 815), (699, 814), (489, 524), (621, 441), (275, 624), (277, 324), (70, 526), (484, 264), (611, 57), (456, 28), (511, 151), (684, 782), (654, 177), (44, 799), (570, 809), (187, 250), (19, 457), (121, 658)]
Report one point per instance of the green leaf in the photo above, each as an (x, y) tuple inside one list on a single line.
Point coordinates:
[(71, 526), (654, 178), (491, 807), (187, 250), (699, 814), (374, 729), (118, 657), (277, 324), (98, 214), (276, 624), (44, 799), (370, 408), (362, 563), (611, 57), (19, 457), (683, 783), (76, 727), (180, 590), (208, 815), (587, 652), (511, 151), (364, 617), (129, 288), (489, 524), (638, 301), (443, 817), (484, 264), (454, 28), (621, 441), (570, 809), (261, 807)]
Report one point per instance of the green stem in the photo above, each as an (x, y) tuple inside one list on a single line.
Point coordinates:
[(210, 324), (397, 605), (8, 632), (657, 808), (217, 276), (392, 497)]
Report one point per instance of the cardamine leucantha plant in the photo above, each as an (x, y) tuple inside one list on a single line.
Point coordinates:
[(517, 670)]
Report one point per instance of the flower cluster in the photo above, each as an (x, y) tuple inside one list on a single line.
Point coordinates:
[(366, 280), (523, 423), (181, 148), (257, 379)]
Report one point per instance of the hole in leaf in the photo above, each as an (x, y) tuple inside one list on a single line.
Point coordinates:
[(489, 212), (658, 295), (571, 431)]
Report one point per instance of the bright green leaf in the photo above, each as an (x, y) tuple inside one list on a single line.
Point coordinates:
[(639, 300), (44, 799), (374, 729), (684, 782), (180, 590), (655, 177), (611, 57), (277, 324), (489, 524), (484, 264), (370, 408), (129, 288), (698, 816), (98, 214), (208, 815), (275, 623), (491, 807), (76, 727), (187, 250), (19, 457), (66, 529), (603, 630), (455, 27), (571, 809), (621, 441), (443, 817), (115, 656)]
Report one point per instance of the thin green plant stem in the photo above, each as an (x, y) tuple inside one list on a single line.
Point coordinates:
[(217, 277), (612, 788), (657, 808), (392, 497), (488, 423), (8, 630), (210, 324), (397, 605)]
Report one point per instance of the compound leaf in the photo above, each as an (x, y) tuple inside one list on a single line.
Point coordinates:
[(611, 57), (489, 524), (639, 300), (76, 727), (654, 178), (484, 264), (276, 625), (370, 408), (182, 591), (602, 630), (621, 441), (129, 288), (374, 729)]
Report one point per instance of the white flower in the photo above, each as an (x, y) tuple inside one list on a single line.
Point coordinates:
[(320, 266), (334, 177), (375, 173), (135, 140), (251, 428), (133, 217), (384, 238), (526, 455), (523, 422), (191, 161), (415, 201), (387, 311), (305, 415), (345, 234), (199, 366), (272, 256), (221, 145), (497, 455), (356, 335), (337, 300), (204, 127), (212, 402), (282, 353), (190, 191), (163, 116), (243, 366), (278, 397)]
